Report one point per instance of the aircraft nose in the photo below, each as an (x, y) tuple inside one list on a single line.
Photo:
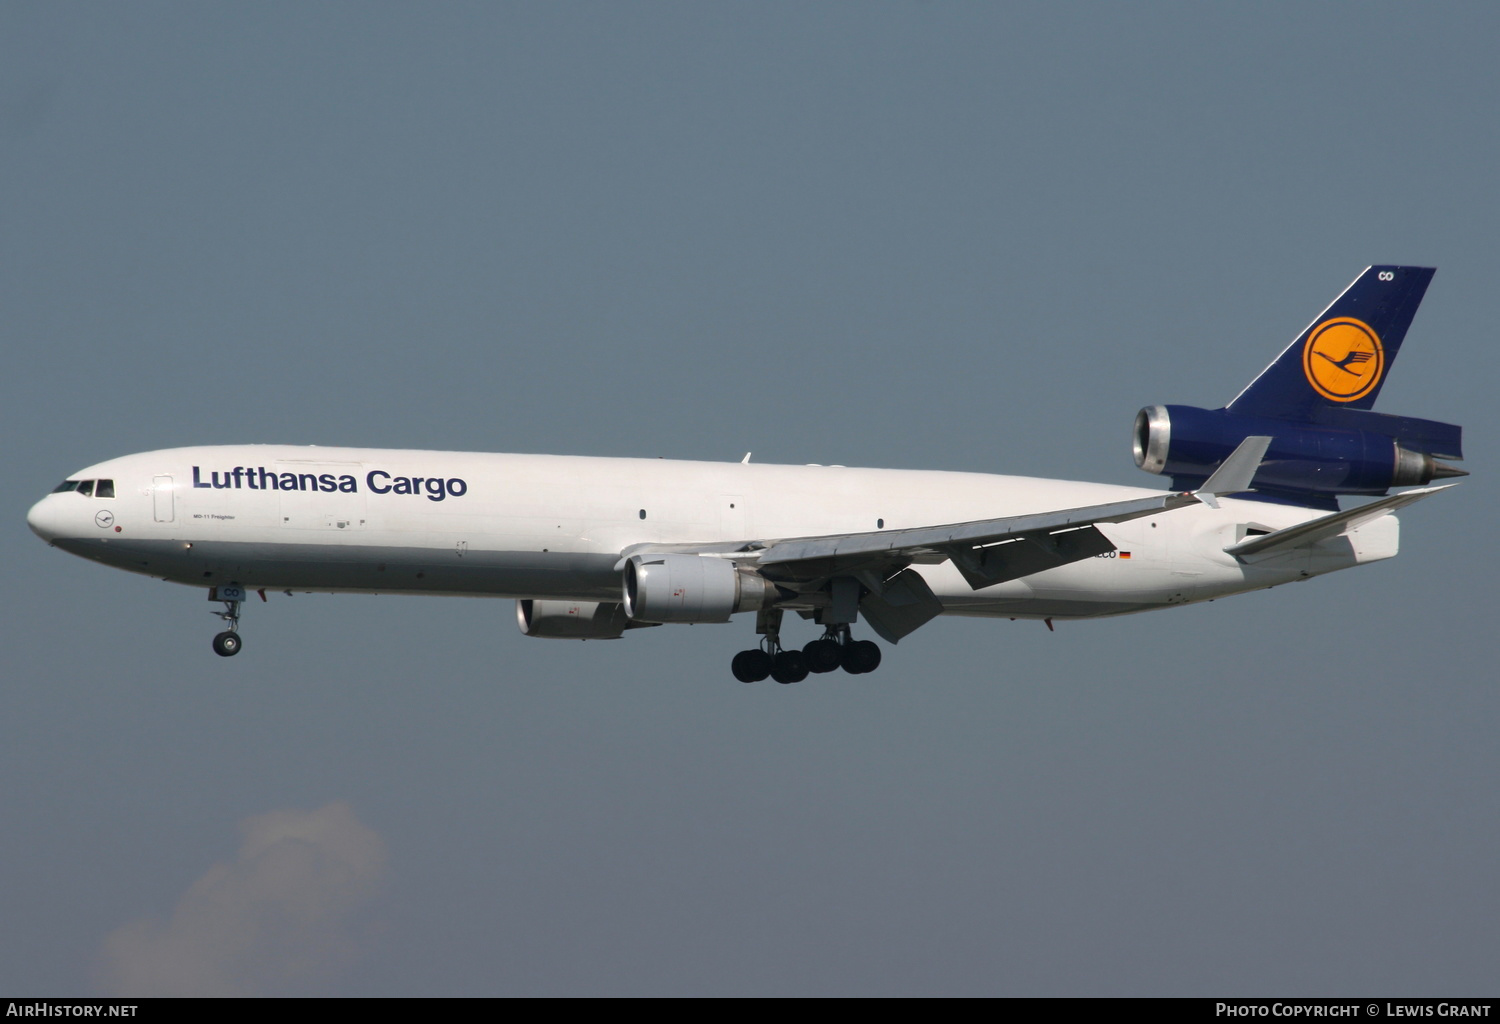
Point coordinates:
[(45, 519)]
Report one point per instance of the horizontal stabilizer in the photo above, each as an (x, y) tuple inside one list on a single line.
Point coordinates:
[(1306, 534)]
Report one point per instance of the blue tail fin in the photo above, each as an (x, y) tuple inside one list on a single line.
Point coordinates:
[(1314, 403), (1341, 360)]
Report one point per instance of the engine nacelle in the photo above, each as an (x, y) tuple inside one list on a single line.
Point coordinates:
[(691, 588), (1304, 459), (571, 620)]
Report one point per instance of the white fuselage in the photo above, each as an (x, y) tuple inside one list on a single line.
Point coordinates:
[(545, 526)]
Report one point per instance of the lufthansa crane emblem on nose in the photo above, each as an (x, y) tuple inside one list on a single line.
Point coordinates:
[(104, 518)]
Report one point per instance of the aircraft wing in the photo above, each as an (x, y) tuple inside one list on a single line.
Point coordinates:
[(992, 551), (985, 552), (894, 599)]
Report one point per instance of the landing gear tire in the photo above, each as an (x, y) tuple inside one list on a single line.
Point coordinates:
[(227, 644), (789, 667), (747, 666), (861, 656), (822, 655)]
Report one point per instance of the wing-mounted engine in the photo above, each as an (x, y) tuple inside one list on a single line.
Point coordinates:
[(1353, 452), (691, 588), (571, 620)]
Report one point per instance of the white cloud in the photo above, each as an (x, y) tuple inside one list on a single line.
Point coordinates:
[(282, 918)]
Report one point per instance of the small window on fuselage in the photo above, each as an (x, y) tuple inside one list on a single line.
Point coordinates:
[(104, 489), (86, 487), (66, 485)]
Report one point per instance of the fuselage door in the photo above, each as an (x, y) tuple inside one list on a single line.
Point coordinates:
[(161, 498)]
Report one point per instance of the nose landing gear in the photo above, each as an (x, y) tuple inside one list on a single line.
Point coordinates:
[(227, 644)]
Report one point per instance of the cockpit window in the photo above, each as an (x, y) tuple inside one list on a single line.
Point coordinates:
[(88, 488)]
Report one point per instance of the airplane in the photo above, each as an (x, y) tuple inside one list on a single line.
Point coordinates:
[(593, 547)]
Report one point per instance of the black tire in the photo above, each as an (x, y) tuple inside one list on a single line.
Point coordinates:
[(823, 655), (751, 666), (789, 667), (227, 644), (861, 656)]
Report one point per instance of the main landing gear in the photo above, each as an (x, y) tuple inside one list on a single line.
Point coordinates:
[(833, 650), (227, 644)]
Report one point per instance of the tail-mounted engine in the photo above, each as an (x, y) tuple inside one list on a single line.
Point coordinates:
[(1346, 451)]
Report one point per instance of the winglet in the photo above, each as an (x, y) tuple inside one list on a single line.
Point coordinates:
[(1236, 472)]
